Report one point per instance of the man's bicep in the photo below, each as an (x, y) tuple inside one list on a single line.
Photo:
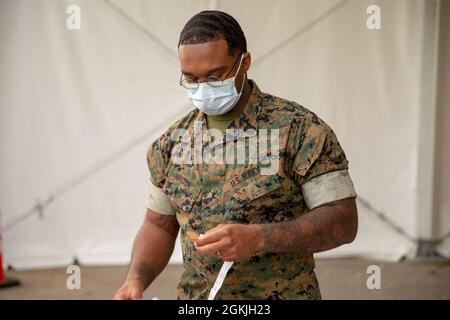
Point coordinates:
[(167, 223), (160, 211)]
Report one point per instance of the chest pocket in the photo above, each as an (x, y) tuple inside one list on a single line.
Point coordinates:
[(252, 200)]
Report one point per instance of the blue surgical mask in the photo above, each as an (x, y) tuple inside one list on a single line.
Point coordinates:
[(216, 100)]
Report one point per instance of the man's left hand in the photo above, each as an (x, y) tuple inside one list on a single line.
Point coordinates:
[(231, 242)]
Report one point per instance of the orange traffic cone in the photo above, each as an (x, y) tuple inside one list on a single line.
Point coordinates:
[(4, 281)]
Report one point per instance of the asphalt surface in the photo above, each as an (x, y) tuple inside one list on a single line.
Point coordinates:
[(338, 279)]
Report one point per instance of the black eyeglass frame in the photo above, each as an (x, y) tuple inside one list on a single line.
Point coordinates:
[(213, 81)]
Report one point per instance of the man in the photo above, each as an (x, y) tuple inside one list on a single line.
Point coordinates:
[(270, 224)]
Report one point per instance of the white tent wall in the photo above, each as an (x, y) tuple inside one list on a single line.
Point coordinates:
[(74, 101)]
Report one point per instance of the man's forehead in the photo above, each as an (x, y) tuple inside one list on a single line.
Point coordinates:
[(213, 52)]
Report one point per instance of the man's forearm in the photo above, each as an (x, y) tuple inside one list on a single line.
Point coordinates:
[(321, 229), (152, 247)]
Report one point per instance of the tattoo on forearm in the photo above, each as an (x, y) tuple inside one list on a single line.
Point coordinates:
[(142, 272), (321, 229), (145, 273)]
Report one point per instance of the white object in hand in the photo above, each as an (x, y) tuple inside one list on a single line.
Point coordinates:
[(220, 278)]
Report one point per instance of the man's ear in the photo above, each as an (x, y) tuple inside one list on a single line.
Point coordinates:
[(246, 61)]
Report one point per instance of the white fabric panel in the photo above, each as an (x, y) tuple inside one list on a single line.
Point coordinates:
[(71, 98), (366, 86)]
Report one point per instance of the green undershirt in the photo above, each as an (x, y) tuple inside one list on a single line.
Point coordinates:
[(222, 121)]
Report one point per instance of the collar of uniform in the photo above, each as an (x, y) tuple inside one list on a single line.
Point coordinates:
[(248, 117), (247, 120)]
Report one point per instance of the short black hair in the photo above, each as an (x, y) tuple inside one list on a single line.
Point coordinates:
[(210, 25)]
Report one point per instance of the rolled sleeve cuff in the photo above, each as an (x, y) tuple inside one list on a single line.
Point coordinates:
[(158, 201), (328, 187)]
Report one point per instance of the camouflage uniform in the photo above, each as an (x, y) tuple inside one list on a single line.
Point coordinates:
[(204, 195)]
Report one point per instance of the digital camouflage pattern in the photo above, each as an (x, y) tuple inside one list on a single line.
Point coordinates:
[(204, 195)]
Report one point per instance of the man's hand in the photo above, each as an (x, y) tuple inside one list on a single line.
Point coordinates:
[(324, 228), (131, 290), (231, 242)]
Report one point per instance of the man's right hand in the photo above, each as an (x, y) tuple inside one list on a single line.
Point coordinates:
[(152, 249), (130, 290)]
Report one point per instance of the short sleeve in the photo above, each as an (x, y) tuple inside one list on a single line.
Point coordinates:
[(157, 161), (320, 167), (318, 152), (158, 201)]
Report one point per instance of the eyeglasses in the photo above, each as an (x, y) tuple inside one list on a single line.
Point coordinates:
[(213, 81)]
